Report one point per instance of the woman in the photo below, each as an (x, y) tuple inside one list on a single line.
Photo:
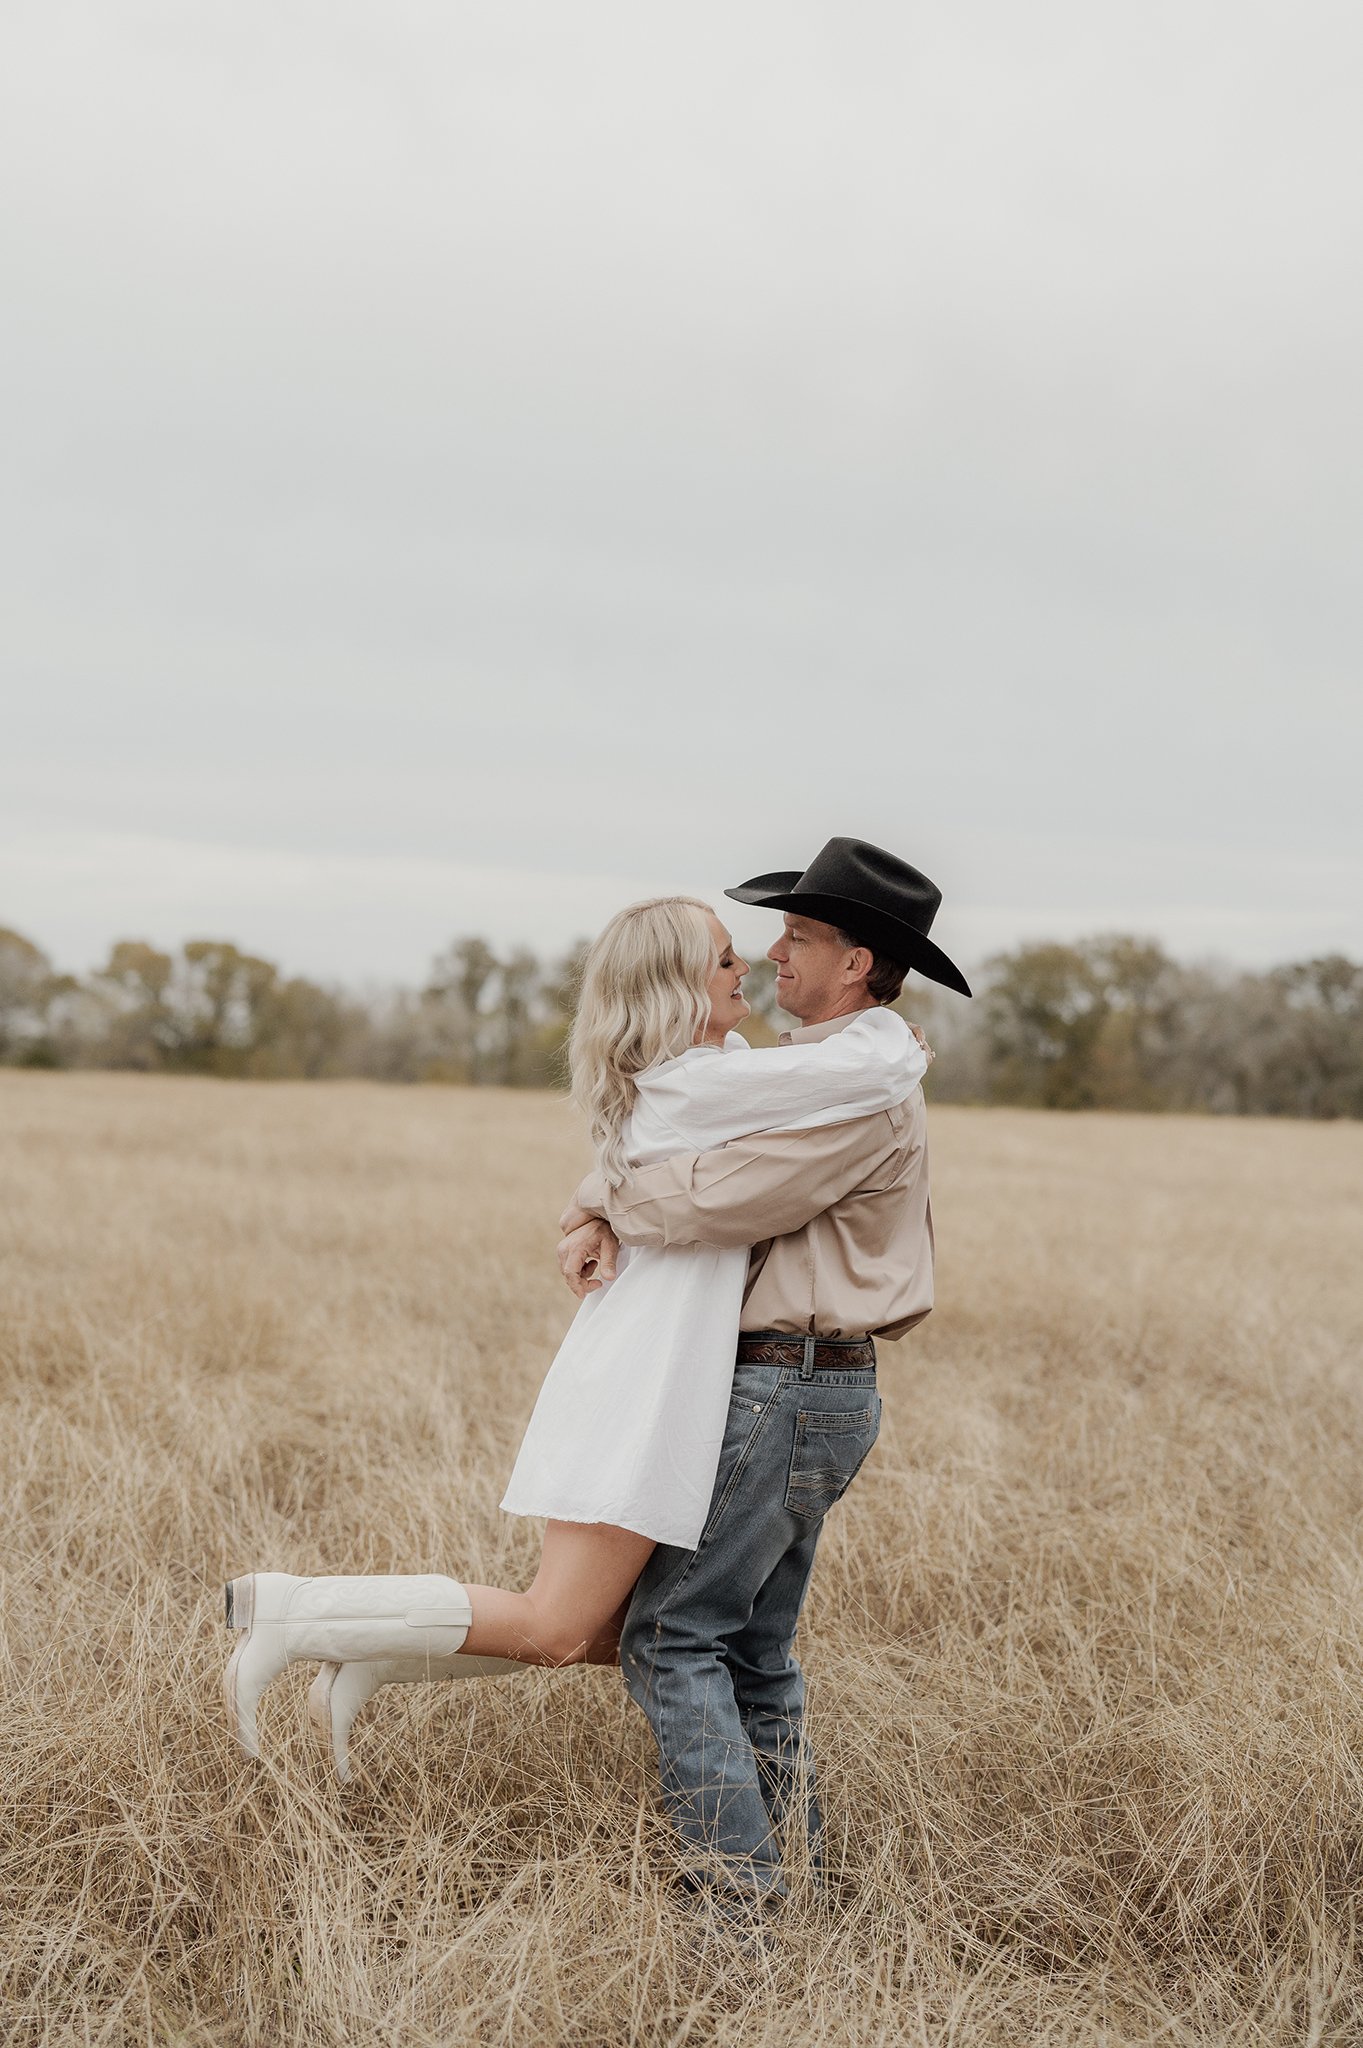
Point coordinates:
[(622, 1448)]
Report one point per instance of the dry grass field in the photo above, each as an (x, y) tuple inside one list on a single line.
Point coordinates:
[(1084, 1643)]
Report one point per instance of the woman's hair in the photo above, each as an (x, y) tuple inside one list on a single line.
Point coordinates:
[(643, 1000)]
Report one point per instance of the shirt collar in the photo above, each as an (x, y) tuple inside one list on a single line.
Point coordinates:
[(810, 1034)]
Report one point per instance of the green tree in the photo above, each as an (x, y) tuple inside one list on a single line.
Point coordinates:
[(559, 992), (1318, 1069), (460, 993), (1082, 1026), (25, 983), (1142, 992), (302, 1032), (1044, 1011), (519, 978), (767, 1021), (140, 1028), (221, 997)]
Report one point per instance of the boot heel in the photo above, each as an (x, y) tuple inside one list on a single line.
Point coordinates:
[(240, 1601)]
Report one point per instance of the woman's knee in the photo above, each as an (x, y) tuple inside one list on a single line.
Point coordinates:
[(605, 1650), (560, 1639)]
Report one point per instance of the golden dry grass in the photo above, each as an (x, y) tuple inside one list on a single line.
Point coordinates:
[(1084, 1642)]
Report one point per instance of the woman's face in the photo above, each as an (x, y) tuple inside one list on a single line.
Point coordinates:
[(728, 1005)]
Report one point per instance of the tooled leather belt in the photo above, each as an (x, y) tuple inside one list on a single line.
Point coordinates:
[(830, 1354)]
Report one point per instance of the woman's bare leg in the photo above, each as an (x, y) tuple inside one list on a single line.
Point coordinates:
[(580, 1592)]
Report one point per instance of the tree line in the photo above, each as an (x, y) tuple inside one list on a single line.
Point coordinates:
[(1110, 1022)]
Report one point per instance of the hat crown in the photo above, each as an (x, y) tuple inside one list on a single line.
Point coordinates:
[(855, 868)]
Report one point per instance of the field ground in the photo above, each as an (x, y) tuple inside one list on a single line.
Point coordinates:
[(1084, 1641)]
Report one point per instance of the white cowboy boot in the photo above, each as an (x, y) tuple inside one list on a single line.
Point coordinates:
[(340, 1690), (286, 1620)]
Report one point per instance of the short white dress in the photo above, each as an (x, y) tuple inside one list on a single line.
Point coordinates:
[(630, 1420)]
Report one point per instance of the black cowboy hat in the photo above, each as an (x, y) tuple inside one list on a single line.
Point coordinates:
[(880, 901)]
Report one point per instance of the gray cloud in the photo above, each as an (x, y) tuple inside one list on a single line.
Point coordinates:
[(468, 465)]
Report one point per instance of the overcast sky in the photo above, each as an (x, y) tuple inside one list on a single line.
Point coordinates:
[(466, 466)]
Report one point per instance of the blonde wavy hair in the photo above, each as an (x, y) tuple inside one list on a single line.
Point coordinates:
[(643, 1001)]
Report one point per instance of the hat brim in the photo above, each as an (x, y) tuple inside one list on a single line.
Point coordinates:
[(900, 942)]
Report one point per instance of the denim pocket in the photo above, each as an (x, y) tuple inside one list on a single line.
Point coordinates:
[(829, 1450)]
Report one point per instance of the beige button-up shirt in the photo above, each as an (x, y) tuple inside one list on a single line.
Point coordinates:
[(838, 1218)]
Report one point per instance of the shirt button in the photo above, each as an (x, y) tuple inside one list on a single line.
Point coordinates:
[(757, 1407)]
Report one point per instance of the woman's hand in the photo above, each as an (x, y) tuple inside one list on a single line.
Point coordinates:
[(587, 1256), (917, 1031)]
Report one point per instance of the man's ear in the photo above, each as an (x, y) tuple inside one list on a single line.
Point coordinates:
[(860, 961)]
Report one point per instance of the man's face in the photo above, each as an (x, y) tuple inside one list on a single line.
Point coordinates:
[(811, 968)]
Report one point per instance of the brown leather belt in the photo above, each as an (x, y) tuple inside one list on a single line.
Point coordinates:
[(817, 1354)]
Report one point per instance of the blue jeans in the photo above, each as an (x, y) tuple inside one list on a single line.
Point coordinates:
[(707, 1643)]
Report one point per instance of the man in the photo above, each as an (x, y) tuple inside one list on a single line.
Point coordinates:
[(841, 1233)]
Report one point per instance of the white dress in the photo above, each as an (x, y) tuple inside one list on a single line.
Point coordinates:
[(630, 1420)]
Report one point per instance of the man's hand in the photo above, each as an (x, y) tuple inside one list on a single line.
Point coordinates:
[(587, 1256), (573, 1218)]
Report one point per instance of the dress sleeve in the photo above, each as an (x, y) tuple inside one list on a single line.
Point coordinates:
[(872, 1064)]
